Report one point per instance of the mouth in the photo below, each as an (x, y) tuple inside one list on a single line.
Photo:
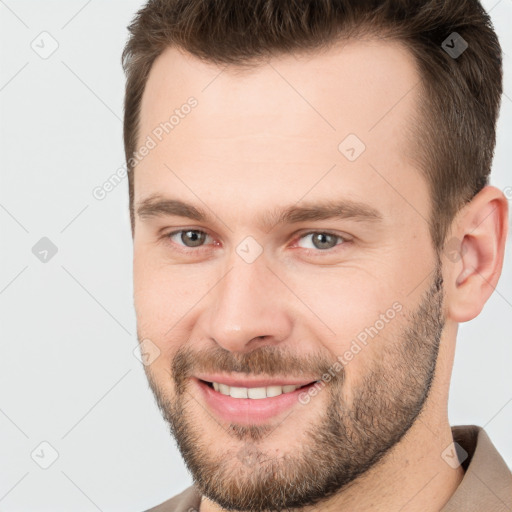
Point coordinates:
[(255, 403)]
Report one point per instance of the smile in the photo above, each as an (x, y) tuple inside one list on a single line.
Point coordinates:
[(250, 404)]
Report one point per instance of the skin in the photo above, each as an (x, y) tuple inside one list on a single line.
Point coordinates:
[(263, 139)]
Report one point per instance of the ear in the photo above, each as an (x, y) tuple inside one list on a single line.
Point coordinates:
[(473, 254)]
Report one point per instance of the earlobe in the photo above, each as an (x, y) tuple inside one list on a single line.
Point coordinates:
[(482, 227)]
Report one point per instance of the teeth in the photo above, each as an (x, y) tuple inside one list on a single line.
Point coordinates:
[(254, 393), (238, 392)]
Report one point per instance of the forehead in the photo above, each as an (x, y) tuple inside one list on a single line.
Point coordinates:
[(352, 85), (281, 122)]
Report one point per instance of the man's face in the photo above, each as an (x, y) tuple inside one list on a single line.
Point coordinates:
[(244, 296)]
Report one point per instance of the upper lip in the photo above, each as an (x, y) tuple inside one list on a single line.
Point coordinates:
[(248, 382)]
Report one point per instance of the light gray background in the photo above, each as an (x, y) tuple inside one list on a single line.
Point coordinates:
[(68, 375)]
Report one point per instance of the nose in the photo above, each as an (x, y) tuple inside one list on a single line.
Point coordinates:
[(248, 308)]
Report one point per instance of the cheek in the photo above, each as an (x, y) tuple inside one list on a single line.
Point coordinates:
[(154, 296), (166, 297), (365, 311), (343, 302)]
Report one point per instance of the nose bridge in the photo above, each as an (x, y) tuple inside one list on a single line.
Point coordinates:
[(245, 305)]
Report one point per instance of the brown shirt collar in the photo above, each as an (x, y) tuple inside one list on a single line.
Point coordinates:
[(487, 482)]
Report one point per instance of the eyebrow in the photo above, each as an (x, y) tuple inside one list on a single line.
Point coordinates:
[(157, 206)]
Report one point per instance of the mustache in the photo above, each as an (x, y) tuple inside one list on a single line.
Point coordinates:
[(266, 360)]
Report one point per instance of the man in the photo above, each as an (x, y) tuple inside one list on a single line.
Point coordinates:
[(312, 219)]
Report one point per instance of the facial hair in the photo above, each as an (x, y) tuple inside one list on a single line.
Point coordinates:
[(348, 439)]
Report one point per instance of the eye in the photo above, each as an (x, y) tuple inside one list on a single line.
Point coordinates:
[(188, 237), (321, 240)]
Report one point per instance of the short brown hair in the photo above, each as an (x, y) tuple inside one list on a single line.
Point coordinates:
[(454, 131)]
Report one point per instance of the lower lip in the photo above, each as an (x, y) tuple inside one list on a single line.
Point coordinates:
[(248, 410)]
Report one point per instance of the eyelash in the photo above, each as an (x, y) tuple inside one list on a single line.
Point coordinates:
[(316, 252)]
